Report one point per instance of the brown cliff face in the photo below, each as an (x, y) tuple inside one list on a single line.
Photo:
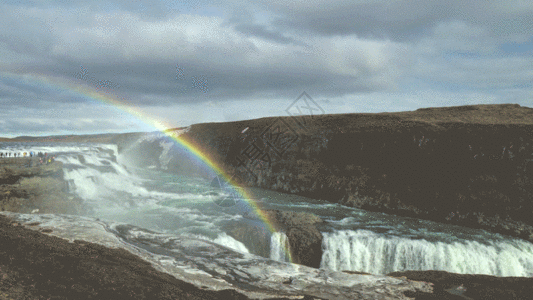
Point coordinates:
[(305, 240), (26, 186), (467, 165)]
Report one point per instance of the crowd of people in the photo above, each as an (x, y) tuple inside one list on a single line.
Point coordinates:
[(44, 158)]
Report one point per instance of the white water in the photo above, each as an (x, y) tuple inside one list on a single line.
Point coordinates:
[(353, 239), (366, 251), (210, 266), (278, 244), (226, 240)]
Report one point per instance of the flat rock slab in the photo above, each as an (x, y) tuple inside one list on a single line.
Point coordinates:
[(213, 267)]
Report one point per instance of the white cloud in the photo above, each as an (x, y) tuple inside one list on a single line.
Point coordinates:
[(461, 36), (253, 57)]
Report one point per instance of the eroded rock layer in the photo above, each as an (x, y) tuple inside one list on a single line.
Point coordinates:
[(29, 186), (468, 165)]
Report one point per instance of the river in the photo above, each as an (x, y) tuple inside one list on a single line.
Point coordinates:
[(151, 204)]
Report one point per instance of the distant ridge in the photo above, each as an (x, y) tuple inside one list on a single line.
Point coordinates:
[(476, 114), (89, 138)]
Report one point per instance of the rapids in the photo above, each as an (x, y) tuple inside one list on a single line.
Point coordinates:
[(159, 212)]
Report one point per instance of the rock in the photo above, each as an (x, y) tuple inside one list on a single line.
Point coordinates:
[(255, 236), (207, 270), (30, 187), (305, 245), (424, 164), (464, 286), (356, 272), (305, 240), (286, 219)]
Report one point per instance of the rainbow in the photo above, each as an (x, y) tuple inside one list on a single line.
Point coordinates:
[(122, 105)]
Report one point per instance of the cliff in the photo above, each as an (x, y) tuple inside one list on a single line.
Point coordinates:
[(304, 238), (467, 165), (28, 186)]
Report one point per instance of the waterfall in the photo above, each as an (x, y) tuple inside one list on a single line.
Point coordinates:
[(374, 253), (279, 245), (226, 240), (166, 155)]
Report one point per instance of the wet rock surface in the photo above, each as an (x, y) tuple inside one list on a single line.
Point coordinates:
[(305, 240), (470, 165), (41, 266), (38, 266), (28, 186)]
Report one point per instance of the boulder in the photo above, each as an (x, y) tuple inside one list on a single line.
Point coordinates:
[(305, 241)]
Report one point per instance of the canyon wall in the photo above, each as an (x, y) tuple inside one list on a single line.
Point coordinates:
[(467, 165)]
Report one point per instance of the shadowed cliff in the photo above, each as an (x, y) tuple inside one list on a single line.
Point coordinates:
[(28, 186), (466, 165)]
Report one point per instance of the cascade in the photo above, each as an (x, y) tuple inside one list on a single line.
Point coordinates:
[(366, 251), (278, 244)]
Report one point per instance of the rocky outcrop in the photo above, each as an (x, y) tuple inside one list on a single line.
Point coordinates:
[(28, 186), (467, 165), (464, 286), (305, 240), (34, 267)]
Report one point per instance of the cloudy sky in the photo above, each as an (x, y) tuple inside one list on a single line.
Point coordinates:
[(76, 67)]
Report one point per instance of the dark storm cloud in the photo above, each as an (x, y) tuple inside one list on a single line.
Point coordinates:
[(161, 55), (369, 20), (400, 19), (23, 35), (140, 57), (148, 10), (15, 94), (22, 93), (262, 32), (220, 67)]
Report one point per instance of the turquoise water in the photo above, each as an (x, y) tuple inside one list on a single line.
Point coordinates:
[(353, 239)]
